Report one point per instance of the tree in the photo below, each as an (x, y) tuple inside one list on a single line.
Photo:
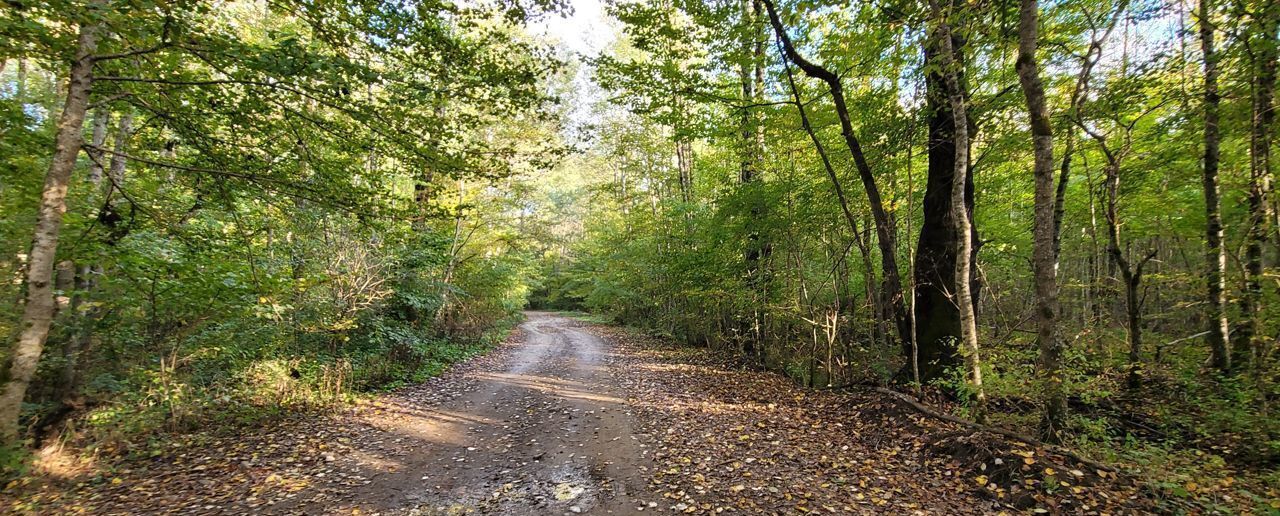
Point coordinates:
[(960, 210), (758, 249), (38, 313), (937, 313), (1251, 345), (1131, 269), (1215, 254), (1044, 254)]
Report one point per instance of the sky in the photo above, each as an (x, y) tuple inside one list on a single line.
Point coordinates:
[(585, 32)]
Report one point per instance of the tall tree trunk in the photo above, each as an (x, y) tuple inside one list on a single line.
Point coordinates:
[(1270, 51), (1215, 254), (115, 171), (751, 73), (1260, 211), (937, 315), (960, 212), (886, 232), (38, 312), (1044, 254), (1130, 273)]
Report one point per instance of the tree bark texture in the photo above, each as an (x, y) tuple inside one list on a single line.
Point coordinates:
[(37, 315)]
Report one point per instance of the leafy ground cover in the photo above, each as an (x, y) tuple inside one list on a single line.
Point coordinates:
[(754, 442)]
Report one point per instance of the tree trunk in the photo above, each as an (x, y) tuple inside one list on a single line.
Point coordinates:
[(1133, 314), (115, 172), (100, 119), (684, 164), (1264, 54), (1044, 254), (1130, 274), (751, 73), (937, 323), (960, 213), (1251, 336), (20, 91), (1270, 52), (38, 312), (1215, 254)]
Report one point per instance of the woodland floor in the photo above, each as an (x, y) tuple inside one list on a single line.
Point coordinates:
[(568, 417)]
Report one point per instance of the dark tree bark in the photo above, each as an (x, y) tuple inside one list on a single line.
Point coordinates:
[(1215, 254), (937, 316), (1263, 53), (949, 67), (751, 73), (38, 312)]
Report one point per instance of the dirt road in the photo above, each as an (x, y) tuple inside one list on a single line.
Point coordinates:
[(569, 418), (541, 430)]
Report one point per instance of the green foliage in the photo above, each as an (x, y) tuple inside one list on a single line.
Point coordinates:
[(315, 200), (667, 244)]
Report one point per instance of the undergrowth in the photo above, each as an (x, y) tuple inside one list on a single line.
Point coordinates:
[(223, 389)]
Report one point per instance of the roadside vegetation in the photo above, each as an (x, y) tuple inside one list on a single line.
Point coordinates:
[(786, 177), (270, 210)]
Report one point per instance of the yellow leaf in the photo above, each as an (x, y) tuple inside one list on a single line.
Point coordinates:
[(981, 480)]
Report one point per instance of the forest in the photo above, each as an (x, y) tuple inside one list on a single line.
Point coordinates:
[(1049, 222)]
